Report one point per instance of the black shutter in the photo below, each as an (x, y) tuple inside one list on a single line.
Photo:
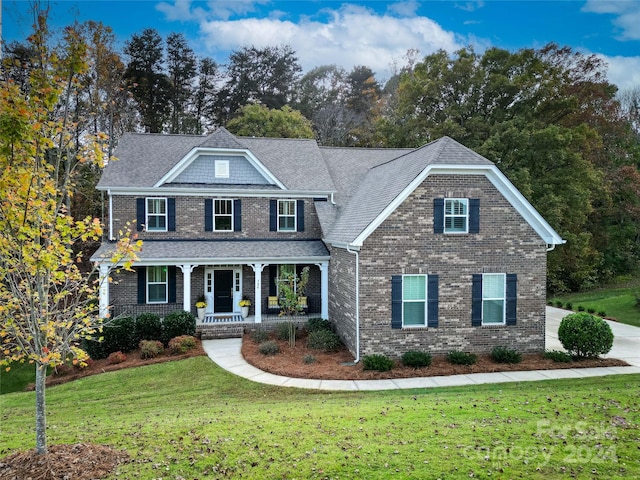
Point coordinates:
[(512, 297), (171, 214), (142, 284), (237, 216), (438, 215), (208, 215), (171, 277), (476, 301), (432, 301), (396, 301), (273, 215), (273, 273), (474, 215), (140, 213), (300, 215)]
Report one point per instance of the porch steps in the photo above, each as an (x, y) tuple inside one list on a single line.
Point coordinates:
[(216, 331)]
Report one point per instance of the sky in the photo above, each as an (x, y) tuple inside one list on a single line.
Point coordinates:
[(375, 33)]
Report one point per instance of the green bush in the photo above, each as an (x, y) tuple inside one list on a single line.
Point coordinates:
[(558, 356), (176, 324), (269, 348), (569, 306), (324, 340), (148, 327), (309, 359), (584, 335), (182, 344), (591, 310), (380, 363), (285, 330), (505, 355), (559, 303), (314, 324), (580, 308), (259, 335), (416, 359), (117, 334), (150, 348), (461, 358), (602, 314)]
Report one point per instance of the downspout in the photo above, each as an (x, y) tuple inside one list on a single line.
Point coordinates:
[(357, 254), (333, 202), (110, 214), (549, 248)]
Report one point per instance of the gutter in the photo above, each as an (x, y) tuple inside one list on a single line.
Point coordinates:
[(357, 254), (110, 214)]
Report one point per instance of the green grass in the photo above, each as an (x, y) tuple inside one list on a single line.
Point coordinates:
[(190, 419), (16, 379), (617, 303)]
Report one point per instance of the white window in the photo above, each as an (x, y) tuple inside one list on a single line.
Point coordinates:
[(222, 168), (287, 215), (223, 215), (157, 285), (493, 298), (156, 220), (456, 215), (414, 300)]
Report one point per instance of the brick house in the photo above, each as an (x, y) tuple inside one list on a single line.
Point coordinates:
[(429, 249)]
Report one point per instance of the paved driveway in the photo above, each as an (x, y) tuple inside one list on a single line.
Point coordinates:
[(626, 338)]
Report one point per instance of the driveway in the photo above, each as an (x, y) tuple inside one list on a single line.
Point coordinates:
[(626, 338)]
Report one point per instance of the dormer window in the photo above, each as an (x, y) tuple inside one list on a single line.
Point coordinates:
[(222, 168)]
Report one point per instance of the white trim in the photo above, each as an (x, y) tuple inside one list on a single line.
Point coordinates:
[(221, 168), (208, 192), (425, 301), (295, 215), (504, 298), (166, 286), (166, 215), (465, 202), (213, 213)]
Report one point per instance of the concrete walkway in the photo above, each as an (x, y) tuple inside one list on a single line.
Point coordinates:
[(226, 353)]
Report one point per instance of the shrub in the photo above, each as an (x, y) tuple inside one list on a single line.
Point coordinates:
[(285, 330), (591, 310), (314, 324), (117, 334), (505, 355), (416, 359), (182, 344), (148, 327), (324, 340), (178, 323), (569, 306), (309, 359), (559, 303), (461, 358), (584, 335), (580, 308), (116, 357), (150, 348), (259, 335), (558, 356), (602, 313), (380, 363), (269, 348)]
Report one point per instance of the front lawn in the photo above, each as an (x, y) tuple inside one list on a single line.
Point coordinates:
[(191, 419)]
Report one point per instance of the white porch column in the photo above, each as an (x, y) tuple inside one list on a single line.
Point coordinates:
[(257, 271), (324, 289), (104, 290), (187, 268)]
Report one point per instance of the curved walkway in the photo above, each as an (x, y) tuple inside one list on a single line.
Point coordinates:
[(226, 353)]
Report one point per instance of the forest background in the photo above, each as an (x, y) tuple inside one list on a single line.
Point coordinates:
[(548, 118)]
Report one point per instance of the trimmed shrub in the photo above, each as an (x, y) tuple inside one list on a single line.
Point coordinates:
[(461, 358), (580, 308), (314, 324), (602, 314), (505, 355), (178, 323), (591, 310), (569, 306), (182, 344), (148, 327), (309, 359), (380, 363), (269, 348), (584, 335), (150, 348), (116, 357), (117, 334), (558, 356), (559, 303), (259, 335), (285, 330), (324, 340), (416, 359)]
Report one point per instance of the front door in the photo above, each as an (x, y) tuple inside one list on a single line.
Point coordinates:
[(223, 291)]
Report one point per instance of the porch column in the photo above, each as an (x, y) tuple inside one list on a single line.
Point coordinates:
[(324, 289), (257, 271), (187, 268), (104, 290)]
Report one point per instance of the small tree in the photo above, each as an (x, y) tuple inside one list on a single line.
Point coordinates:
[(292, 288)]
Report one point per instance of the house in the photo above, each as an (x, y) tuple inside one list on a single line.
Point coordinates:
[(408, 249)]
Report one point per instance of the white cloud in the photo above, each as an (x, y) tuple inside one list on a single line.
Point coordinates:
[(626, 13), (623, 71)]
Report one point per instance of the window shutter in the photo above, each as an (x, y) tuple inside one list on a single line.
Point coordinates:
[(273, 273), (208, 215), (432, 301), (300, 215), (171, 214), (273, 216), (140, 213), (142, 284), (474, 215), (237, 216), (396, 301), (171, 277), (512, 298), (476, 301), (438, 215)]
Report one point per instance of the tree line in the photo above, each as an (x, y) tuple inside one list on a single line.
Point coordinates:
[(547, 117)]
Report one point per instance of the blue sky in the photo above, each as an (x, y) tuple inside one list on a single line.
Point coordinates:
[(373, 33)]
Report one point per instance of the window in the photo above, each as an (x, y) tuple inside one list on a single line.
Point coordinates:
[(414, 300), (156, 220), (222, 168), (157, 284), (287, 215), (287, 271), (493, 298), (223, 215), (456, 212)]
